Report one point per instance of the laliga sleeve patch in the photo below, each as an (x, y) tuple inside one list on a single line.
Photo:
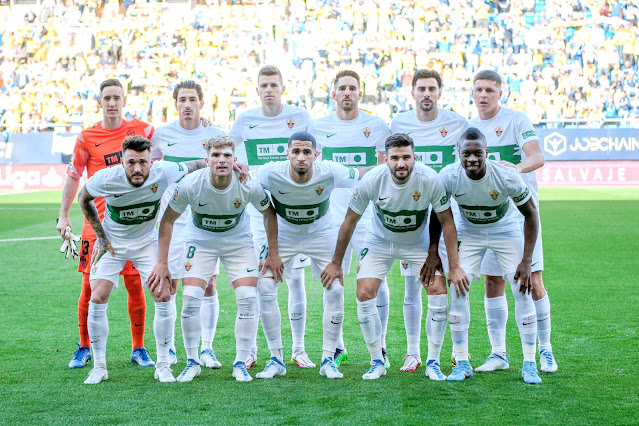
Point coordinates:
[(176, 194)]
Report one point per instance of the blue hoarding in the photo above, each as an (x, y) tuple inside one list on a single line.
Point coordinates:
[(589, 144)]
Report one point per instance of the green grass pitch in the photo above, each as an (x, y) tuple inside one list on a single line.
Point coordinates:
[(591, 242)]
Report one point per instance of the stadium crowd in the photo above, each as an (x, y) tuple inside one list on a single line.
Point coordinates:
[(566, 62)]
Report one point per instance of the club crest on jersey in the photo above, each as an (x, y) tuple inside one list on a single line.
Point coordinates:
[(494, 194), (237, 203), (319, 189), (366, 131), (188, 265), (154, 188), (130, 132), (443, 131), (499, 130), (290, 123), (416, 195), (404, 264)]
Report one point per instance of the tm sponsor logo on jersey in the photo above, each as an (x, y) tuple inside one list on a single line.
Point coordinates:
[(113, 159)]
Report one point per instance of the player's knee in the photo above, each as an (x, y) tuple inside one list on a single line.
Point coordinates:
[(267, 292), (495, 286), (335, 295), (364, 294), (438, 287)]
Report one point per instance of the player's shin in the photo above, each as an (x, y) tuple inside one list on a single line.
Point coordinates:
[(436, 320), (526, 320), (370, 324), (210, 313), (163, 328), (383, 306), (98, 327), (270, 315), (333, 317), (137, 309), (246, 321), (191, 319), (496, 319), (173, 318), (413, 315), (542, 307), (83, 310), (297, 307), (459, 320)]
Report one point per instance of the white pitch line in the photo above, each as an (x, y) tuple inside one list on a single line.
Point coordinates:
[(9, 240), (28, 191)]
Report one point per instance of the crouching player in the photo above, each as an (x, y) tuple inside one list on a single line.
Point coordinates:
[(402, 192), (484, 189), (132, 194), (219, 229)]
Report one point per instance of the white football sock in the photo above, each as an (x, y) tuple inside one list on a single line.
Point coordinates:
[(383, 305), (413, 315), (173, 319), (297, 307), (191, 320), (333, 317), (163, 329), (210, 312), (526, 320), (368, 317), (542, 307), (246, 321), (270, 313), (436, 321), (98, 328), (459, 320), (496, 318), (340, 340)]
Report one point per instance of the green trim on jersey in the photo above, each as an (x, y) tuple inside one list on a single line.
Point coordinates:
[(216, 222), (134, 214), (508, 153), (485, 214), (436, 157), (401, 221), (179, 159), (351, 156), (521, 197), (301, 215), (262, 151)]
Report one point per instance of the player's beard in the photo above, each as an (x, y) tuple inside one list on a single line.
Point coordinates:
[(409, 172), (427, 108), (348, 108), (137, 185)]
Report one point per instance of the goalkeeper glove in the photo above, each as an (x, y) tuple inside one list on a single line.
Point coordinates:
[(69, 245)]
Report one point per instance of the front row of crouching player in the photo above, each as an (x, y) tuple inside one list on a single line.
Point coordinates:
[(297, 219)]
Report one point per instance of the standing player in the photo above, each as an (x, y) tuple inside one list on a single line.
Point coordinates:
[(261, 136), (183, 140), (435, 133), (512, 141), (401, 192), (353, 138), (96, 148), (218, 229), (484, 190), (132, 196), (301, 189)]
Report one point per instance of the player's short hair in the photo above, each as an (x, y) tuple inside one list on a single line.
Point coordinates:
[(269, 70), (472, 134), (136, 143), (302, 136), (111, 82), (218, 141), (398, 140), (188, 84), (419, 74), (489, 75), (346, 73)]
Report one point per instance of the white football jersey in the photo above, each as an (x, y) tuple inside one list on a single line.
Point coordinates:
[(217, 213), (175, 143), (352, 143), (260, 139), (304, 208), (401, 211), (130, 215), (485, 204), (506, 134), (435, 141)]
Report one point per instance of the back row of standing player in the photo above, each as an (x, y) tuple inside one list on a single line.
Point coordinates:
[(354, 138)]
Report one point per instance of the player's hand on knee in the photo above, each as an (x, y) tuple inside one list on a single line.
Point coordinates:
[(331, 272), (274, 263), (431, 265), (100, 247), (522, 276), (156, 280), (458, 278)]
